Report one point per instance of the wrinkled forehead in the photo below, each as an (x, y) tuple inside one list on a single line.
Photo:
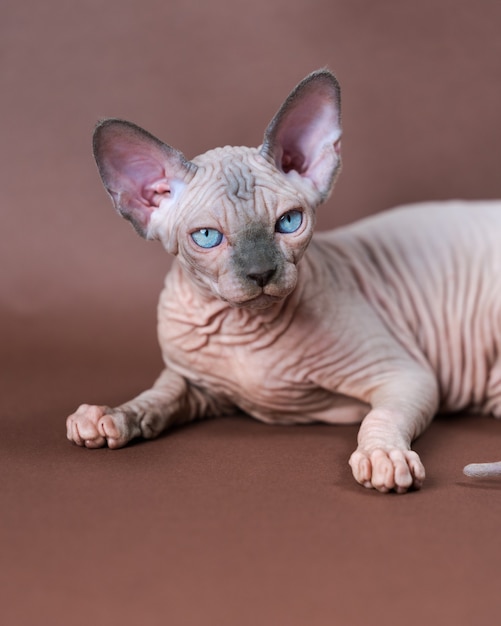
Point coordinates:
[(238, 180)]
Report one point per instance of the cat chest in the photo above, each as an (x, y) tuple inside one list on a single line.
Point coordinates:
[(269, 379), (236, 371)]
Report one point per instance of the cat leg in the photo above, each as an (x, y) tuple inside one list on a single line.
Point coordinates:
[(383, 459), (171, 400)]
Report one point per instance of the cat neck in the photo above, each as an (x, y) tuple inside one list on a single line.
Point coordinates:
[(197, 313)]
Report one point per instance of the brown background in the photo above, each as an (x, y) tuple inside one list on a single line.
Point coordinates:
[(227, 522)]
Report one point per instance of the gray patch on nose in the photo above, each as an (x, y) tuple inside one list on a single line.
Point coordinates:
[(256, 256)]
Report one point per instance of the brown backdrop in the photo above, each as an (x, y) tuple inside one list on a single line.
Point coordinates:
[(229, 521)]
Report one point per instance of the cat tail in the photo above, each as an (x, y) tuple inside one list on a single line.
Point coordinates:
[(482, 470)]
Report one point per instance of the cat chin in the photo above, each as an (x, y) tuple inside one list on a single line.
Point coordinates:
[(262, 301)]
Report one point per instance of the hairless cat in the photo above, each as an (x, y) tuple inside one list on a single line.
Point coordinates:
[(384, 322)]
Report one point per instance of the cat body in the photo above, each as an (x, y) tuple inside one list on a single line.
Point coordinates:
[(383, 322), (356, 314)]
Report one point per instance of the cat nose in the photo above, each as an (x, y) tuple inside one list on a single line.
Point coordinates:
[(262, 278)]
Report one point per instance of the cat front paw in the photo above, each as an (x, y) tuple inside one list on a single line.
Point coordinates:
[(97, 426), (387, 470)]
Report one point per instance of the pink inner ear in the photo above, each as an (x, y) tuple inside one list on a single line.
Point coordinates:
[(156, 192), (137, 169), (304, 136), (305, 133)]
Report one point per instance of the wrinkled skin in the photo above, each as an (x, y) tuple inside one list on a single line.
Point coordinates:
[(382, 323)]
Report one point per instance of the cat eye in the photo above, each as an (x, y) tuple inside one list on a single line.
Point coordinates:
[(289, 222), (207, 237)]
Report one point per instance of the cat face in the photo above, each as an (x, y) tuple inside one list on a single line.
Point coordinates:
[(239, 227), (238, 219)]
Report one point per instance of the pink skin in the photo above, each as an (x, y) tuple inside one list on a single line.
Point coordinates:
[(380, 323), (94, 427)]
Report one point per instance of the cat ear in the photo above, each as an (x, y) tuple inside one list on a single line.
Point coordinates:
[(304, 137), (138, 170)]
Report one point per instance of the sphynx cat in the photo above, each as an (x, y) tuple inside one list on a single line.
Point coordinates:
[(385, 322)]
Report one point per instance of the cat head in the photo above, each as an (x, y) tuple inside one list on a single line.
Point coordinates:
[(239, 219)]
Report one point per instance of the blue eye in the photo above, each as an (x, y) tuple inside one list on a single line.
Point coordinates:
[(289, 222), (207, 237)]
